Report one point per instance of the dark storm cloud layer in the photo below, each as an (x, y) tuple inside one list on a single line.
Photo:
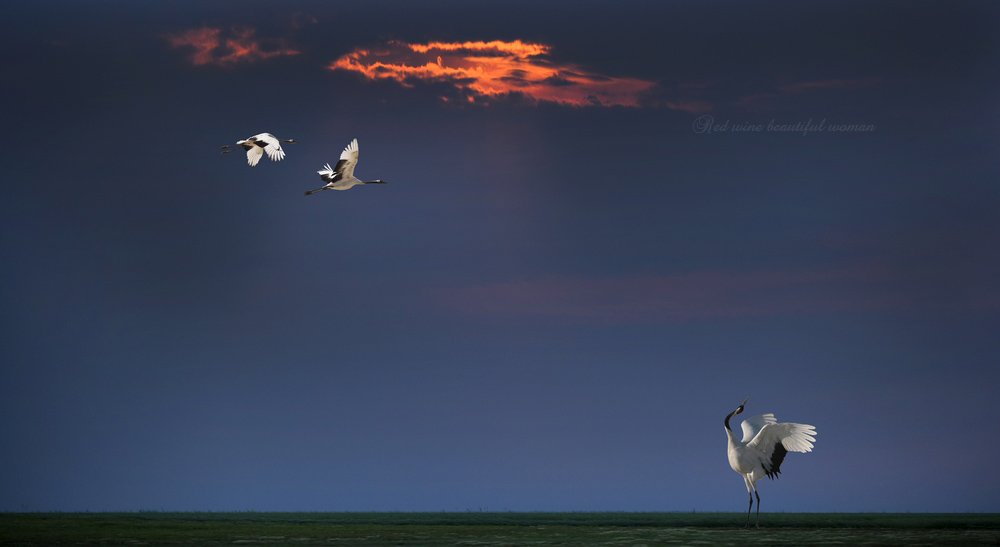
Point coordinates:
[(550, 307)]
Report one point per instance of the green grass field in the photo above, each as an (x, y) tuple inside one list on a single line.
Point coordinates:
[(489, 529)]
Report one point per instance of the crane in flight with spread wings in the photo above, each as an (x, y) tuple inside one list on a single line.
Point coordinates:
[(257, 145), (342, 176)]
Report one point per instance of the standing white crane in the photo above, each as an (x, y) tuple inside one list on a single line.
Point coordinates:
[(342, 176), (763, 448), (257, 145)]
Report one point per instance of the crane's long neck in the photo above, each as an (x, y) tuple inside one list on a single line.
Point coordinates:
[(729, 432)]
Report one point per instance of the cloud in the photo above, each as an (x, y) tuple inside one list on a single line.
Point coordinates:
[(239, 46), (704, 295), (482, 71)]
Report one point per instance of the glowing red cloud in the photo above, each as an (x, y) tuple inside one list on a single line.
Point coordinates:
[(516, 47), (484, 70), (210, 48)]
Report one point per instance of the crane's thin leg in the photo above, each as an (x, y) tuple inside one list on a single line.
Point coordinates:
[(750, 490), (758, 509), (747, 525), (314, 191)]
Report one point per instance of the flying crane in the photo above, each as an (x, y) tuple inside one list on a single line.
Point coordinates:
[(257, 145), (342, 176)]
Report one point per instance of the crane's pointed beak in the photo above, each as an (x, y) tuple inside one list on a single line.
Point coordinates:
[(740, 409)]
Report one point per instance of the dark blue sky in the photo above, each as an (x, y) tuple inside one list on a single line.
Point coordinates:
[(565, 287)]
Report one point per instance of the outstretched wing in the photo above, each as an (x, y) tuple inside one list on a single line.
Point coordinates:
[(328, 174), (751, 426), (773, 441), (271, 146), (348, 159), (794, 437), (253, 154)]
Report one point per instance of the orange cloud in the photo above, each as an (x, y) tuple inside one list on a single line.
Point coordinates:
[(485, 70), (240, 46), (516, 47)]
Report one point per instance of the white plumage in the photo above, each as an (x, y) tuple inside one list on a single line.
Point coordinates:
[(762, 449), (257, 145), (342, 176)]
